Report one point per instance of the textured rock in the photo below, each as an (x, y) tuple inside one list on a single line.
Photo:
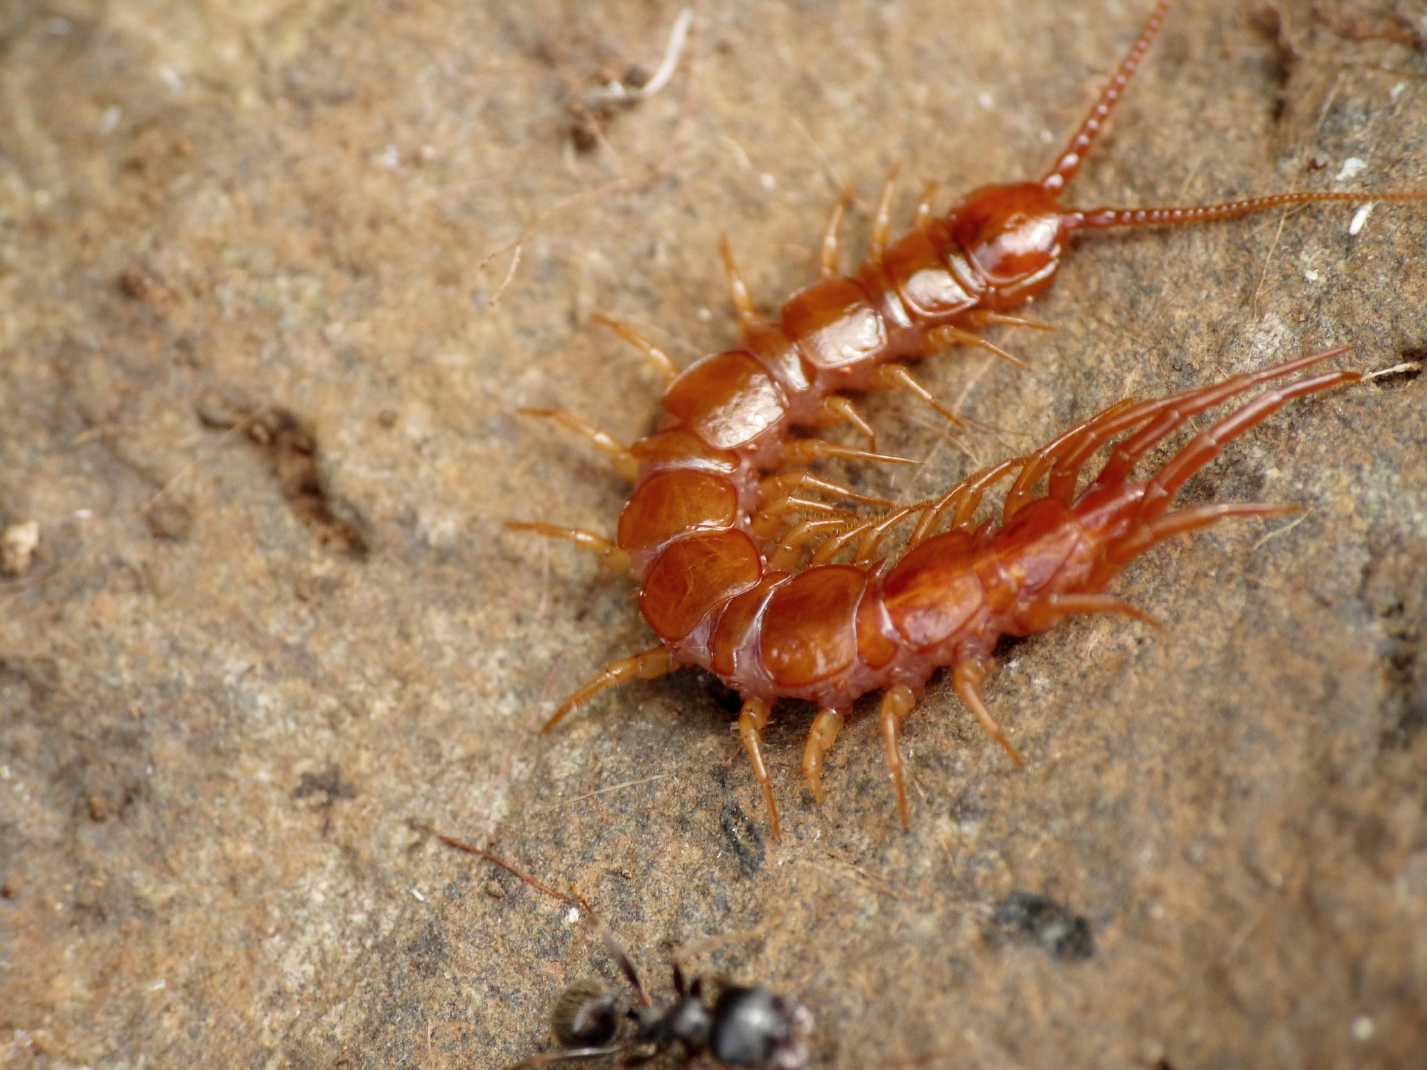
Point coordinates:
[(273, 278)]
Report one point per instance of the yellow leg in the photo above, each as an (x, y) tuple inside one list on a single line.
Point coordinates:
[(942, 337), (752, 720), (612, 555), (832, 238), (896, 704), (966, 679), (821, 736), (837, 409), (737, 288), (650, 665), (606, 443), (882, 225), (662, 362), (924, 206)]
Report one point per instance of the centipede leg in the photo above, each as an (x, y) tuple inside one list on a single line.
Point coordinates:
[(882, 223), (984, 317), (1057, 606), (737, 288), (924, 205), (837, 409), (606, 443), (821, 736), (945, 337), (1186, 520), (832, 237), (966, 680), (649, 665), (612, 555), (661, 361), (896, 704), (752, 720), (896, 377)]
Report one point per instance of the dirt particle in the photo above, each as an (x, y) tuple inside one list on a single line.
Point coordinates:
[(1038, 919), (17, 547), (170, 520)]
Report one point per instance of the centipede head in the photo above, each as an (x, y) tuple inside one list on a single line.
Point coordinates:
[(1013, 235)]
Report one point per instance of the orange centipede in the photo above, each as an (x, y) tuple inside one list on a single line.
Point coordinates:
[(705, 532)]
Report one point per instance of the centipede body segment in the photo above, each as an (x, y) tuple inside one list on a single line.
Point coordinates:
[(738, 571)]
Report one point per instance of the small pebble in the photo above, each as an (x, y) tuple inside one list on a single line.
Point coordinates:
[(17, 547)]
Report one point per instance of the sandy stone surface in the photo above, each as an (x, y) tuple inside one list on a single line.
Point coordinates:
[(274, 277)]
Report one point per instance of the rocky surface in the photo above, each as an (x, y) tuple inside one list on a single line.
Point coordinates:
[(274, 277)]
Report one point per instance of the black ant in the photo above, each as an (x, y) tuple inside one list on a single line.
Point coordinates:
[(747, 1026)]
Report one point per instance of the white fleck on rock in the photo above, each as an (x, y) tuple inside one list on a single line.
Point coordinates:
[(1360, 218), (1352, 167)]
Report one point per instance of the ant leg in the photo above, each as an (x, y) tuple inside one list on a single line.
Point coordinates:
[(662, 362), (924, 206), (945, 337), (649, 665), (966, 680), (832, 237), (821, 736), (837, 409), (882, 224), (613, 556), (752, 720), (896, 704), (606, 443), (1186, 520), (738, 289)]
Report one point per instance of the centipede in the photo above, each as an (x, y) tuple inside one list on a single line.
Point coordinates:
[(734, 542)]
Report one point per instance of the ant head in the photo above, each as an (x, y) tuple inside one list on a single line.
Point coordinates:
[(586, 1015), (754, 1028), (1012, 235)]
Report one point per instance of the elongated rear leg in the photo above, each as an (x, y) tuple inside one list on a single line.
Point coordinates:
[(752, 720), (649, 665)]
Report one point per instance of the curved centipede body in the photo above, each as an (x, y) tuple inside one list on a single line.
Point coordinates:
[(706, 534)]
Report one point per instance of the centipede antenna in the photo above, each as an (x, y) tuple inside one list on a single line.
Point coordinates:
[(662, 362), (1111, 218), (1090, 128), (495, 860), (612, 555), (649, 665), (737, 288), (606, 443)]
